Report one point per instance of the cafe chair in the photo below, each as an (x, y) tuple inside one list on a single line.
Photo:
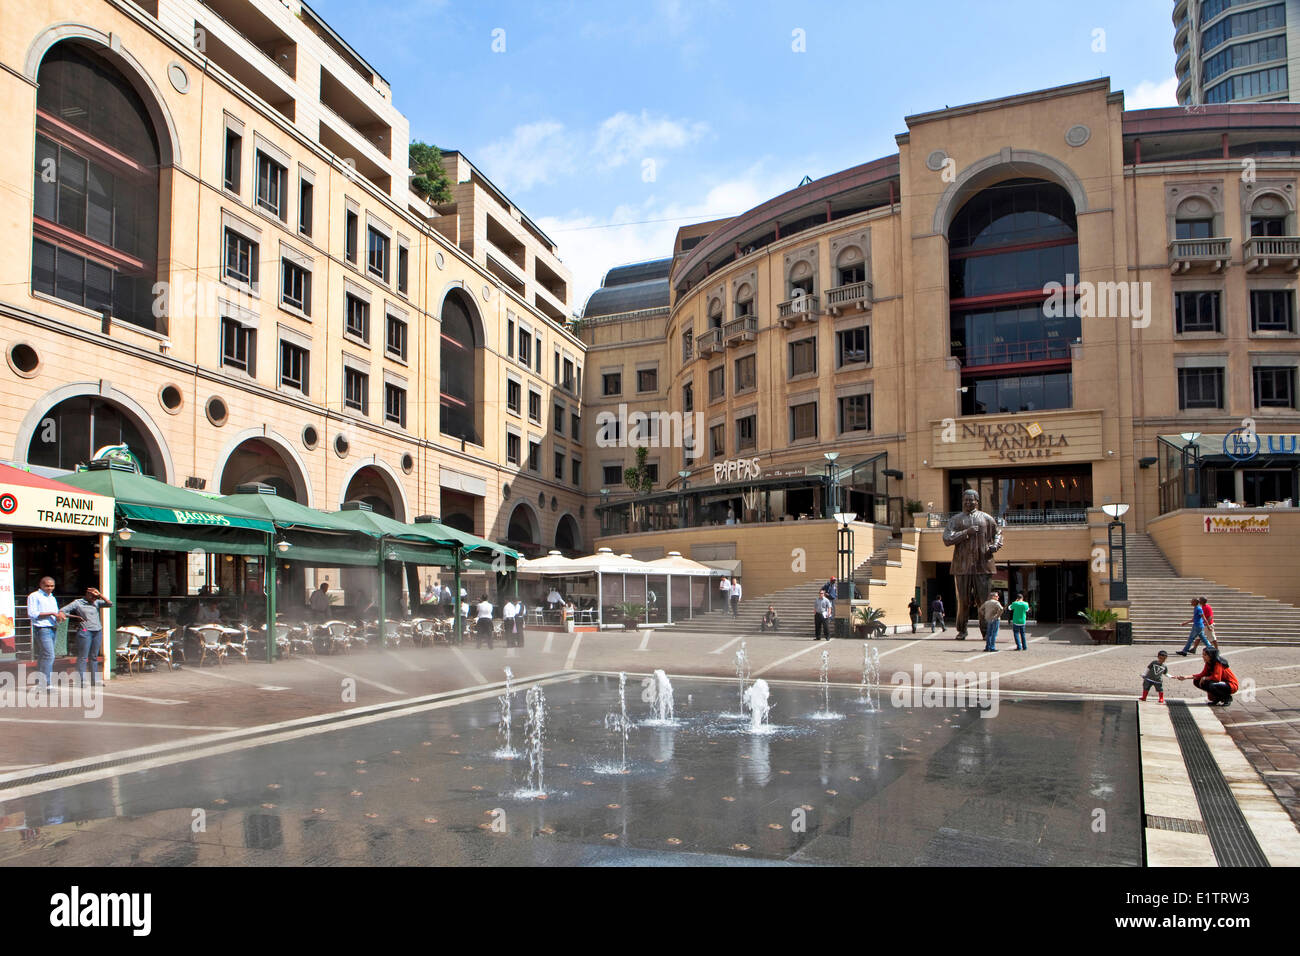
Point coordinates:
[(211, 642), (339, 635), (236, 641), (130, 639), (157, 647)]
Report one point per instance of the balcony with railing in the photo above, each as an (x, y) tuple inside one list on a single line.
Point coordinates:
[(1276, 253), (844, 298), (1013, 353), (741, 330), (1188, 254), (802, 308), (709, 342), (1048, 516)]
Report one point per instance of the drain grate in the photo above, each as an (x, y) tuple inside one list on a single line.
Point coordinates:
[(1177, 824), (1230, 836)]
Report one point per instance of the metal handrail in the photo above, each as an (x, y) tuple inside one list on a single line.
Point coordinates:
[(803, 305)]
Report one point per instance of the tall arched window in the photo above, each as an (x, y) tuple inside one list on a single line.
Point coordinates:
[(71, 432), (95, 223), (1004, 246), (461, 371)]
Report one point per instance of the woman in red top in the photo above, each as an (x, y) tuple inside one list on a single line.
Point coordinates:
[(1208, 611), (1215, 678)]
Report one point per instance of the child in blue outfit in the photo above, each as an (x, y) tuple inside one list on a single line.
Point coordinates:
[(1197, 632)]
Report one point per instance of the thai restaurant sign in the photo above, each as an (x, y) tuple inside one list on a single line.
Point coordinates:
[(1028, 438), (1236, 524)]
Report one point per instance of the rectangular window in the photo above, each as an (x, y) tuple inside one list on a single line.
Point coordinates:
[(538, 356), (238, 346), (559, 419), (377, 253), (403, 268), (854, 273), (395, 404), (746, 432), (746, 372), (525, 347), (514, 396), (293, 366), (855, 413), (356, 390), (612, 383), (688, 397), (803, 421), (535, 405), (567, 382), (717, 383), (688, 345), (647, 380), (358, 317), (1200, 388), (559, 466), (652, 472), (350, 236), (718, 441), (1274, 386), (803, 357), (575, 471), (534, 456), (1271, 311), (512, 449), (241, 258), (1194, 229), (557, 368), (272, 186), (852, 345), (395, 339), (510, 338), (295, 288), (1196, 312), (613, 474), (305, 190), (234, 150), (575, 431), (1267, 226)]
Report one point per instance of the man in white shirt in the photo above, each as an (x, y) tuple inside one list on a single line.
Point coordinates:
[(320, 601), (510, 618), (554, 599), (735, 597), (822, 616), (44, 614), (724, 591), (484, 623)]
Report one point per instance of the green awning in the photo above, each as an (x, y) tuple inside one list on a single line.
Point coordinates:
[(147, 499), (323, 550), (468, 542), (191, 518), (170, 537)]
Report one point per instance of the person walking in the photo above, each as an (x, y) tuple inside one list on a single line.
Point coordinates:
[(1197, 633), (822, 617), (914, 612), (484, 623), (990, 617), (1208, 611), (832, 590), (735, 597), (1019, 609), (90, 630), (1155, 676), (724, 591), (936, 615), (320, 601), (44, 614)]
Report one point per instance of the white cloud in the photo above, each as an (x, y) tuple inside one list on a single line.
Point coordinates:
[(590, 245), (1149, 95), (624, 136), (534, 153)]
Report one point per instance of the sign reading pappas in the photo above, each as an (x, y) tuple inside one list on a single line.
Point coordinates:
[(6, 593), (1236, 524)]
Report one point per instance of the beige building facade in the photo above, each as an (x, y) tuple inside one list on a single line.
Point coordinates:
[(1037, 298), (214, 257)]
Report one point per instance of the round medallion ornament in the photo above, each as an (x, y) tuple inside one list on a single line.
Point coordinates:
[(934, 162), (1077, 135)]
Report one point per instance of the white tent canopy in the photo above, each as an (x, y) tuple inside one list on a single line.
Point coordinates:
[(674, 563), (552, 563)]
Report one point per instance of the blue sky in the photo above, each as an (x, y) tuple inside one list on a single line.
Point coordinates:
[(612, 123)]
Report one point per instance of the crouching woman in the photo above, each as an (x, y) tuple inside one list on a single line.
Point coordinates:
[(1216, 678)]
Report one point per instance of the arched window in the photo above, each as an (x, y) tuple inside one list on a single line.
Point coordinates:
[(567, 537), (461, 371), (95, 221), (1006, 244), (76, 428)]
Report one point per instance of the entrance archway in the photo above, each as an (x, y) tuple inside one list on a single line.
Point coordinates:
[(377, 487), (266, 460), (568, 539), (523, 531)]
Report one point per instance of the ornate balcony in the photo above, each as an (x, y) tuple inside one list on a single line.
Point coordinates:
[(855, 295), (1188, 254), (741, 330), (1277, 253), (803, 308), (709, 342)]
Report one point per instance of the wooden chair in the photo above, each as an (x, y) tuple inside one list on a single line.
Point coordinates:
[(235, 640), (210, 642), (157, 647), (130, 639)]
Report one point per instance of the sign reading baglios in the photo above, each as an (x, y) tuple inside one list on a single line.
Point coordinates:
[(1236, 524), (199, 517)]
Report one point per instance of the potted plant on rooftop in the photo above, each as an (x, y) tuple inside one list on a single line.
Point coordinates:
[(1101, 624)]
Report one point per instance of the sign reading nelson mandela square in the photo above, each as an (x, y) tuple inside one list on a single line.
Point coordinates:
[(1047, 436)]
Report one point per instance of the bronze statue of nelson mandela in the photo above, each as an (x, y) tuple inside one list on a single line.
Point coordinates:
[(975, 536)]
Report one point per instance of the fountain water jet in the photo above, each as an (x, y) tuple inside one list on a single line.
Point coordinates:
[(742, 672), (870, 676), (662, 706), (757, 703), (534, 728), (619, 722), (825, 678), (506, 751)]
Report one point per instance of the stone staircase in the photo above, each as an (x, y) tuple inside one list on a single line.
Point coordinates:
[(1159, 600), (794, 607)]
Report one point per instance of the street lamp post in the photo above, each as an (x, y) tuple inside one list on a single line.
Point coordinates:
[(684, 475), (830, 504), (1117, 542), (844, 551)]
